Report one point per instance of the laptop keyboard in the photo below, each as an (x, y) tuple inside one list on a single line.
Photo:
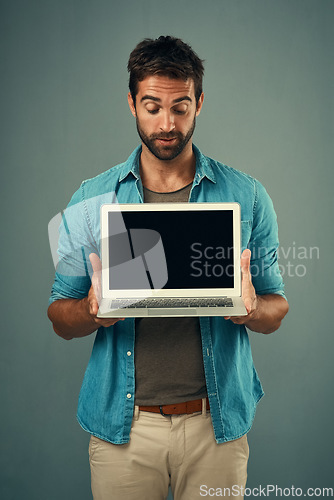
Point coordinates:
[(171, 303)]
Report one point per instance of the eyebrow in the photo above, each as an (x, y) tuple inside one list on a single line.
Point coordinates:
[(156, 99)]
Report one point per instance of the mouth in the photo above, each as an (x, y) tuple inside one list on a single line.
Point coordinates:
[(166, 142)]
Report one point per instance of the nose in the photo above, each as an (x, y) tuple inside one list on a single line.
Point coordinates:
[(167, 122)]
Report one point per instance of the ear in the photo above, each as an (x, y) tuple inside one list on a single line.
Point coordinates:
[(200, 104), (132, 105)]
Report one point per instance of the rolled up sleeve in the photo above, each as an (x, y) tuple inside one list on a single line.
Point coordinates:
[(75, 243), (266, 275)]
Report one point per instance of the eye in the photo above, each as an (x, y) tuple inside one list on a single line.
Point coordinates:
[(152, 111), (180, 110)]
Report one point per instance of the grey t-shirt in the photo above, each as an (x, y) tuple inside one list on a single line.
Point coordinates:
[(168, 351)]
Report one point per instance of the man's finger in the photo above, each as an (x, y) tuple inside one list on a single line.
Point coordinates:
[(96, 263)]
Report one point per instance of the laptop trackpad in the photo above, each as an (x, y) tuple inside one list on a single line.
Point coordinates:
[(187, 311)]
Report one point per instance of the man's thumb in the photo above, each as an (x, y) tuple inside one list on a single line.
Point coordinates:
[(245, 261), (95, 262)]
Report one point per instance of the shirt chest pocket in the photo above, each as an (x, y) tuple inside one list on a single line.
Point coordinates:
[(246, 231)]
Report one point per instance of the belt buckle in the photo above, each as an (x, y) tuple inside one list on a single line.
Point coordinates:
[(162, 413)]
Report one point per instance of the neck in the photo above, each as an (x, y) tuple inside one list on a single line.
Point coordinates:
[(167, 175)]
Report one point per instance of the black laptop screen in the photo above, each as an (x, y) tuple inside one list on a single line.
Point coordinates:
[(197, 247)]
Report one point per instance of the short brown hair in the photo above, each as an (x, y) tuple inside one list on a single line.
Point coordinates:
[(165, 56)]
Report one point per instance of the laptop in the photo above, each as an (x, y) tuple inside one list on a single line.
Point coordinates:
[(170, 259)]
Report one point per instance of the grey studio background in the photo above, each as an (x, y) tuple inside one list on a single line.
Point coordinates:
[(268, 111)]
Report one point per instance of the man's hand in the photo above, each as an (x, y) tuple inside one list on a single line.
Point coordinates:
[(94, 294), (248, 294), (264, 312)]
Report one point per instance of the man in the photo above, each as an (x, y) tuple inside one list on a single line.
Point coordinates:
[(169, 400)]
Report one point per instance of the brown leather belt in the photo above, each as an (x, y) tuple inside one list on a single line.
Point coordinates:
[(177, 409)]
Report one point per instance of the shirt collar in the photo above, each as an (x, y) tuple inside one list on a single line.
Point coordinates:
[(131, 165), (203, 167)]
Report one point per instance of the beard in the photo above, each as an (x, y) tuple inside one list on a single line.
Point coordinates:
[(166, 152)]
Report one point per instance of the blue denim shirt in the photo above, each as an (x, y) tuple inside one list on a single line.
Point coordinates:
[(106, 401)]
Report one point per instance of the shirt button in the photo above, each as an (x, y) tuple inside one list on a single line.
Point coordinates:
[(129, 353), (128, 396)]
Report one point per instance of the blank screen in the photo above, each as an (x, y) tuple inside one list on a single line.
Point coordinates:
[(198, 245)]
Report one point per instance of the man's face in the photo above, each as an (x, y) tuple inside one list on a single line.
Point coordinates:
[(165, 114)]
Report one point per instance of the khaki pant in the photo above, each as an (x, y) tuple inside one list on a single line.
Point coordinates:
[(178, 450)]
